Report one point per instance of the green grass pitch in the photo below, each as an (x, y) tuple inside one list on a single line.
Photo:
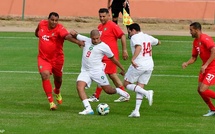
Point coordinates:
[(177, 107)]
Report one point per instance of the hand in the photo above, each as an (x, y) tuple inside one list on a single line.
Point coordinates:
[(134, 64), (122, 73), (81, 44), (184, 65), (203, 68), (125, 55)]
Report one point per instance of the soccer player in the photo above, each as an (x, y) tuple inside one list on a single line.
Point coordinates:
[(204, 47), (51, 37), (92, 68), (110, 32), (141, 67)]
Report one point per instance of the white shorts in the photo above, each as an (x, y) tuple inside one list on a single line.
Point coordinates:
[(141, 76), (98, 76)]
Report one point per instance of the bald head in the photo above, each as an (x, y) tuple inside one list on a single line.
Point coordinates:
[(94, 32), (95, 36)]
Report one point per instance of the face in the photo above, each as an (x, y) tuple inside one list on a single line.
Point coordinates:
[(193, 32), (53, 21), (95, 39), (131, 32), (104, 17)]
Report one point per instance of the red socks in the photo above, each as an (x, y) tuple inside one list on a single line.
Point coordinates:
[(209, 93), (206, 95), (98, 92), (121, 87), (48, 89)]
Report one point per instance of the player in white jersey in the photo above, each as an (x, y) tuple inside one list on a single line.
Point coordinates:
[(92, 68), (140, 70)]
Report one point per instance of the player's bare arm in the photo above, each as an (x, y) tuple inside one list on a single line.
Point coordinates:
[(74, 33), (136, 53), (190, 61), (124, 49), (115, 61), (70, 38)]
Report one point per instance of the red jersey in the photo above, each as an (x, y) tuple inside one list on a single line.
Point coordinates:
[(110, 33), (202, 47), (51, 41)]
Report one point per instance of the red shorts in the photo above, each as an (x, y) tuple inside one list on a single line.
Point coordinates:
[(110, 67), (53, 67), (208, 78)]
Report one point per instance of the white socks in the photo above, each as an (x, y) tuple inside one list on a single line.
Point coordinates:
[(137, 89), (86, 104), (139, 99), (122, 93)]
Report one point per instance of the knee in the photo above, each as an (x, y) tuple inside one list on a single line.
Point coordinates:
[(45, 75)]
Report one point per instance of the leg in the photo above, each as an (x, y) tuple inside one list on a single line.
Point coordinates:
[(47, 87), (110, 90), (206, 94), (58, 73), (110, 69), (80, 85), (135, 112), (137, 88), (117, 82), (58, 83), (115, 14), (45, 69)]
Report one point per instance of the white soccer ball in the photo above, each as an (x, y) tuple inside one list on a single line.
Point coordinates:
[(103, 109)]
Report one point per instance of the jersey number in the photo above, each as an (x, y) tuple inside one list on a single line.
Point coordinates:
[(88, 54), (147, 48)]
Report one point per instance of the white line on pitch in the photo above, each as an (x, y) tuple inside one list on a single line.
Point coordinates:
[(157, 75)]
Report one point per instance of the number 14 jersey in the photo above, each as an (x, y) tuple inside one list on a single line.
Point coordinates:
[(144, 59)]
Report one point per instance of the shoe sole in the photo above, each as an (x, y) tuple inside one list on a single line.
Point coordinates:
[(92, 113), (121, 101), (131, 116)]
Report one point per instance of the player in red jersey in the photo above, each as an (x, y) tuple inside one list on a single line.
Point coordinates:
[(51, 36), (204, 46), (110, 33)]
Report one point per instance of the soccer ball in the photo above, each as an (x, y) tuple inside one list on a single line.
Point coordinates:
[(103, 109)]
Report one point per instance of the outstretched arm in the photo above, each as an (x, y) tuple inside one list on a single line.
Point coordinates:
[(72, 38)]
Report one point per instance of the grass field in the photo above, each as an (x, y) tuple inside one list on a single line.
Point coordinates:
[(177, 107)]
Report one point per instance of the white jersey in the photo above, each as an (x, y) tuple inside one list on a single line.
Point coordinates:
[(92, 54), (144, 59)]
